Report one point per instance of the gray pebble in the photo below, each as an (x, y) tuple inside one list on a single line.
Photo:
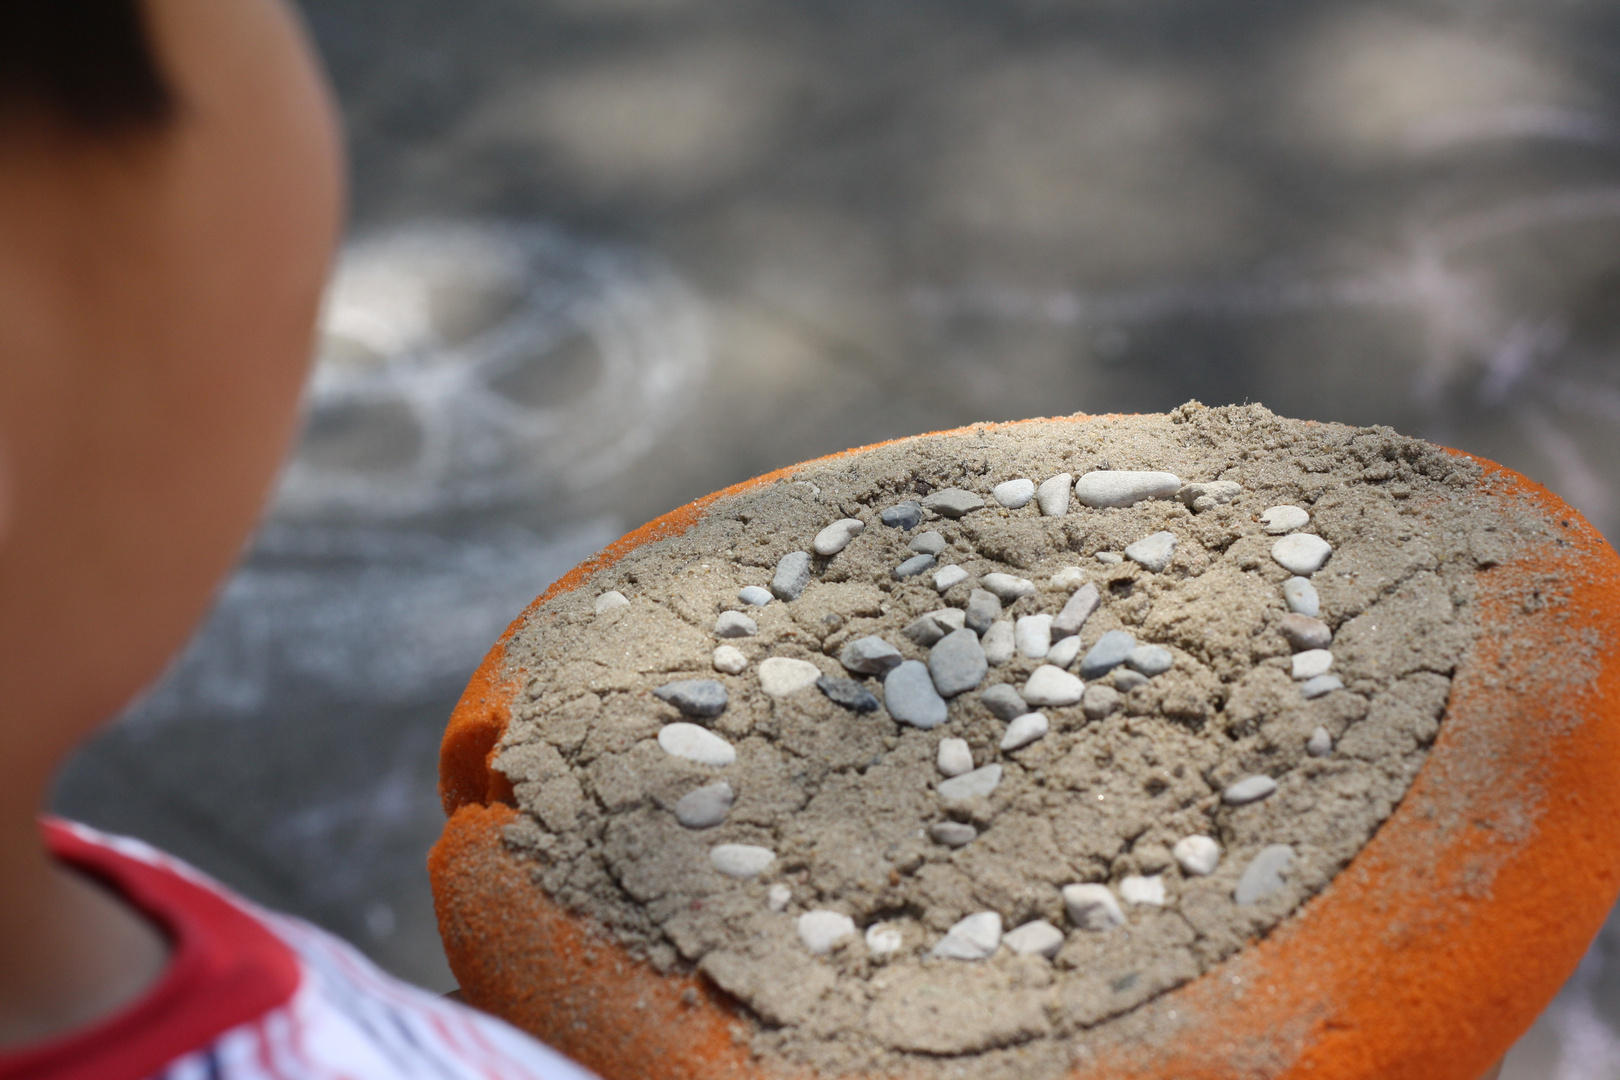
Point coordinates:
[(1098, 701), (1284, 519), (928, 543), (1053, 495), (1033, 634), (1004, 701), (952, 502), (1000, 642), (836, 537), (1300, 596), (792, 575), (734, 624), (909, 695), (1007, 587), (970, 785), (1124, 487), (694, 697), (741, 860), (954, 757), (957, 663), (1320, 744), (1301, 553), (904, 515), (913, 566), (1014, 493), (952, 833), (1304, 632), (1320, 686), (1126, 680), (869, 656), (1109, 652), (1076, 611), (1311, 663), (1249, 789), (974, 938), (1154, 552), (1024, 730), (1150, 660), (948, 578), (1264, 875), (755, 595), (609, 600), (1207, 496), (929, 628), (1038, 938), (1063, 653), (705, 807), (848, 693), (982, 608), (1110, 558)]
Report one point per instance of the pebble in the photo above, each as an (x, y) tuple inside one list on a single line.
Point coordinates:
[(952, 834), (1008, 588), (1109, 652), (982, 608), (870, 656), (755, 595), (1110, 558), (1098, 701), (883, 939), (780, 676), (1024, 730), (929, 628), (1301, 553), (611, 599), (1124, 487), (1300, 596), (705, 807), (1050, 685), (913, 566), (1153, 553), (1126, 680), (848, 693), (1311, 663), (928, 543), (693, 743), (955, 758), (792, 575), (1207, 496), (1092, 907), (1263, 876), (730, 660), (1004, 701), (948, 577), (836, 537), (1198, 856), (1249, 789), (910, 697), (1033, 635), (820, 930), (952, 502), (779, 897), (741, 860), (1304, 632), (1038, 938), (1320, 744), (694, 697), (1150, 660), (904, 515), (734, 624), (1067, 579), (1142, 889), (1053, 495), (974, 938), (1063, 653), (1000, 642), (1320, 686), (957, 663), (970, 785), (1284, 519), (1013, 493), (1076, 611)]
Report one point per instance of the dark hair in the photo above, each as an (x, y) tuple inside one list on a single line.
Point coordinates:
[(86, 64)]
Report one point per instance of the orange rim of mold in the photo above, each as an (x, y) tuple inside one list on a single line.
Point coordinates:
[(1424, 959)]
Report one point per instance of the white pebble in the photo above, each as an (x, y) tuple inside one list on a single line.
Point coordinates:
[(755, 595), (684, 740), (1311, 663), (1320, 744), (1300, 596), (1207, 496), (730, 660), (1000, 641), (1154, 552), (1063, 653), (1067, 579), (883, 939), (1197, 856), (948, 576), (1092, 907), (1124, 487), (1033, 635), (835, 537), (1301, 553), (741, 860), (1024, 730), (1053, 495), (1038, 938), (1284, 519), (1014, 493), (820, 930), (974, 938), (1007, 587), (779, 897), (705, 807), (1143, 889), (981, 781), (610, 600), (1320, 686), (780, 676), (952, 833), (1050, 685), (1249, 789), (1110, 558), (955, 758), (734, 624)]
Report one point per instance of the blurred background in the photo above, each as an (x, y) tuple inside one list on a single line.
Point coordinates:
[(610, 255)]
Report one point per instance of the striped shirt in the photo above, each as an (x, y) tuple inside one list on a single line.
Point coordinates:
[(252, 995)]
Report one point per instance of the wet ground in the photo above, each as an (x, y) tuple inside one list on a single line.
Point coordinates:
[(609, 255)]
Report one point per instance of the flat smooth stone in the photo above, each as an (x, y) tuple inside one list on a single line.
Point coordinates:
[(1053, 495), (1004, 701), (1284, 519), (1198, 856), (780, 676), (1038, 938), (952, 502), (1124, 487), (1265, 874), (730, 660), (847, 693), (910, 697), (1249, 789), (1311, 663), (609, 600), (734, 624), (981, 781), (957, 663), (1048, 685), (1000, 642), (694, 743), (1301, 553), (821, 930), (904, 516), (952, 834), (1064, 652), (1098, 701), (792, 575), (1320, 686), (836, 537), (1092, 907), (1127, 679), (1013, 493), (1033, 635), (1007, 587), (927, 543), (1142, 889), (949, 577), (1110, 558), (1153, 553), (974, 938), (755, 595), (1076, 611), (705, 807), (1300, 596), (913, 566), (1109, 652), (930, 627), (741, 860), (869, 656), (982, 608), (1024, 730), (1304, 632), (694, 697), (955, 757), (1150, 660)]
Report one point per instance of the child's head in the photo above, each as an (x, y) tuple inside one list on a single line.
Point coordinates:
[(169, 199)]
